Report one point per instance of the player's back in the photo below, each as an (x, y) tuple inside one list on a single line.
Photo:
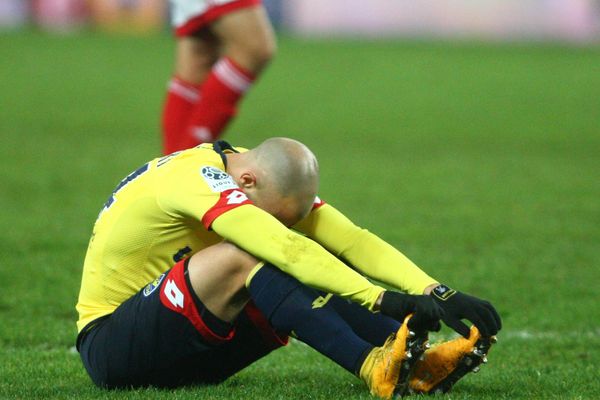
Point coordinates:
[(148, 223)]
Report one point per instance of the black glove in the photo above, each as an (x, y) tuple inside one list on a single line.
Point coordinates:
[(459, 305), (426, 312)]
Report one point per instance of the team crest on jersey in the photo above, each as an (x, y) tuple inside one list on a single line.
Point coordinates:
[(153, 285), (218, 181)]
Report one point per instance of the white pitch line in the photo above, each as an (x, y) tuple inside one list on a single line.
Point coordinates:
[(526, 334)]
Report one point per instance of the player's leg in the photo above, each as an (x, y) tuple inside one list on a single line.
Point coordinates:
[(238, 32), (291, 306), (248, 44), (288, 306), (440, 367), (374, 328), (247, 38), (221, 287), (254, 338), (195, 55)]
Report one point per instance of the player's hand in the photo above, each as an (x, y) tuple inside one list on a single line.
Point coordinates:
[(459, 305), (426, 312)]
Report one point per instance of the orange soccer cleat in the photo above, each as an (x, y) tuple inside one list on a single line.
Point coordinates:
[(444, 364), (387, 368)]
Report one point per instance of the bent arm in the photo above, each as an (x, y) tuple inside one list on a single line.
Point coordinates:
[(263, 236), (365, 251)]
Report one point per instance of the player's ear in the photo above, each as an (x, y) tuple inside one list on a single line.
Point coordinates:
[(247, 180)]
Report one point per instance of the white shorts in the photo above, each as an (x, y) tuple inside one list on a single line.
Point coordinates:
[(189, 16)]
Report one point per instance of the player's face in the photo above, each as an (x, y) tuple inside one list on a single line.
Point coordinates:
[(288, 210)]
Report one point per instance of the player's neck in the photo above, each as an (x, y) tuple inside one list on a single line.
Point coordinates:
[(235, 165), (231, 164)]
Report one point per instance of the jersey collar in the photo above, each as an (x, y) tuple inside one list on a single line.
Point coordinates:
[(220, 147)]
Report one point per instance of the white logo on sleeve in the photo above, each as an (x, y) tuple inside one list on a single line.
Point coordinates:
[(217, 180), (236, 197), (173, 293)]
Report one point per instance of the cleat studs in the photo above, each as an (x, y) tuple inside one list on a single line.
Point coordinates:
[(484, 360), (475, 370), (422, 357), (427, 346), (494, 339), (408, 355), (411, 334), (478, 353), (468, 361)]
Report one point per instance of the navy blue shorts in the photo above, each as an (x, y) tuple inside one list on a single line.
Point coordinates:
[(164, 336)]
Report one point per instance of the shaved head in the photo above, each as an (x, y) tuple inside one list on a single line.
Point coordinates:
[(288, 165), (286, 178)]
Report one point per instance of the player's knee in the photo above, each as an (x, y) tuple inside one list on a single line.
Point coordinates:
[(240, 261), (264, 52), (223, 260), (218, 276), (253, 53)]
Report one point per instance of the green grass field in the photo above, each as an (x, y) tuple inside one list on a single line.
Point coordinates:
[(480, 162)]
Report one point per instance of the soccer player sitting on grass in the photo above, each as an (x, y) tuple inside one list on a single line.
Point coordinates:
[(195, 270)]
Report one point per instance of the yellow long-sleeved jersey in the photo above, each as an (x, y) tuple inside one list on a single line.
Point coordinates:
[(179, 204)]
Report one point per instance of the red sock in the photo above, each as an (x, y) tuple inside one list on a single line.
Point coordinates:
[(221, 92), (182, 97)]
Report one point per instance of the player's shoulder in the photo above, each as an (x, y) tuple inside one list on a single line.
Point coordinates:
[(183, 163), (203, 152), (212, 153), (199, 170), (206, 162)]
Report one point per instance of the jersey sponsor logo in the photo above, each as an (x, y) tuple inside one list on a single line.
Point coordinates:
[(321, 301), (173, 294), (228, 200), (217, 180), (236, 197), (317, 203), (153, 285)]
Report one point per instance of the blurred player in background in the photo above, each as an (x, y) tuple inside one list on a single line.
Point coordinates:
[(250, 279), (221, 48)]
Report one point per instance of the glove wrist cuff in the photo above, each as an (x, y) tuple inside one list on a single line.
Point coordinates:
[(442, 292)]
